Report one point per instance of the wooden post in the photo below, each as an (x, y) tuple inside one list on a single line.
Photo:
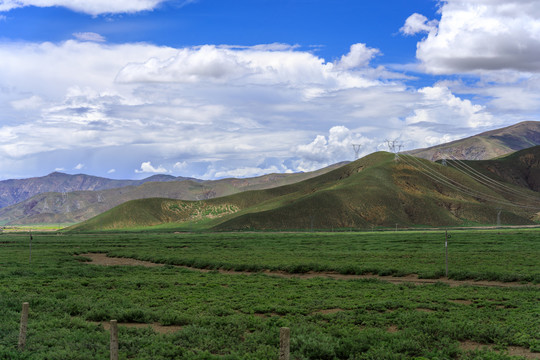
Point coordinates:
[(24, 326), (114, 340), (446, 251), (284, 343), (30, 258)]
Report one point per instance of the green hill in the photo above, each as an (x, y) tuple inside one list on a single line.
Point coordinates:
[(77, 206), (373, 191)]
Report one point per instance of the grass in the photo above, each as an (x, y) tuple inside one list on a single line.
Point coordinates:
[(478, 255), (239, 316)]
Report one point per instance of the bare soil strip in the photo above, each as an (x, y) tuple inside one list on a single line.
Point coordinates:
[(103, 259), (158, 328), (512, 350)]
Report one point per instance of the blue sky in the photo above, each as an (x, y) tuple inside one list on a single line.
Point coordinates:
[(215, 88)]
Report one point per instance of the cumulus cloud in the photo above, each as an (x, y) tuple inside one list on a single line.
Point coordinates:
[(253, 65), (79, 166), (111, 171), (418, 23), (89, 36), (94, 7), (218, 108), (146, 167), (180, 165), (481, 36), (359, 56), (323, 151), (33, 102), (440, 106)]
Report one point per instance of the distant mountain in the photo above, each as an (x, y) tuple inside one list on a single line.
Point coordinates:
[(75, 206), (372, 191), (17, 190), (487, 145)]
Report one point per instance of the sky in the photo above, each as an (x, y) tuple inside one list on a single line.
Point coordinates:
[(238, 88)]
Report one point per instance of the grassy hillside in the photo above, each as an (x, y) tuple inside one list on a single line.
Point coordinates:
[(372, 191), (521, 168), (77, 206), (486, 145)]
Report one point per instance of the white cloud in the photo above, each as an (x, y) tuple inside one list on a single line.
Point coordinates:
[(79, 166), (89, 36), (180, 165), (146, 167), (359, 56), (483, 36), (93, 7), (111, 171), (32, 102), (323, 151), (215, 107), (418, 23), (59, 169), (251, 66), (440, 106)]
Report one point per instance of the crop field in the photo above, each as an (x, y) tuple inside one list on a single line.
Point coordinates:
[(368, 295)]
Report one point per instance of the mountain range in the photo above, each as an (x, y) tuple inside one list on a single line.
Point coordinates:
[(62, 198), (375, 191), (75, 206)]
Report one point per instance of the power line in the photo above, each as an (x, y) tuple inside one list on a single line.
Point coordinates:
[(436, 176), (487, 181)]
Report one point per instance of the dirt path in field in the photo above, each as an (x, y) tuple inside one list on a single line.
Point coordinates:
[(512, 350), (103, 259)]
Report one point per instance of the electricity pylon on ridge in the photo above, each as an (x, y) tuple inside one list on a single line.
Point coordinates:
[(356, 148), (394, 146)]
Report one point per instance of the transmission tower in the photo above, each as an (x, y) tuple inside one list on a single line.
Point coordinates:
[(499, 211), (356, 148), (394, 146)]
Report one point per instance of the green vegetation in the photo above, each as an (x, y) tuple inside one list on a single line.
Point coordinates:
[(372, 191), (224, 316)]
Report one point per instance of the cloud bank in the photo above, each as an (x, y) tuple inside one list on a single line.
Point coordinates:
[(219, 110), (93, 7), (480, 35)]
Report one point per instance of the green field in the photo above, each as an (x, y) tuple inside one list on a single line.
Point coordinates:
[(233, 316)]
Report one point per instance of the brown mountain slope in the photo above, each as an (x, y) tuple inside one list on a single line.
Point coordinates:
[(16, 190), (72, 207), (372, 191), (487, 145)]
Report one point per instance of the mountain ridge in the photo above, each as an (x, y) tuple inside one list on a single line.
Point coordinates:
[(76, 206), (486, 145), (375, 191)]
